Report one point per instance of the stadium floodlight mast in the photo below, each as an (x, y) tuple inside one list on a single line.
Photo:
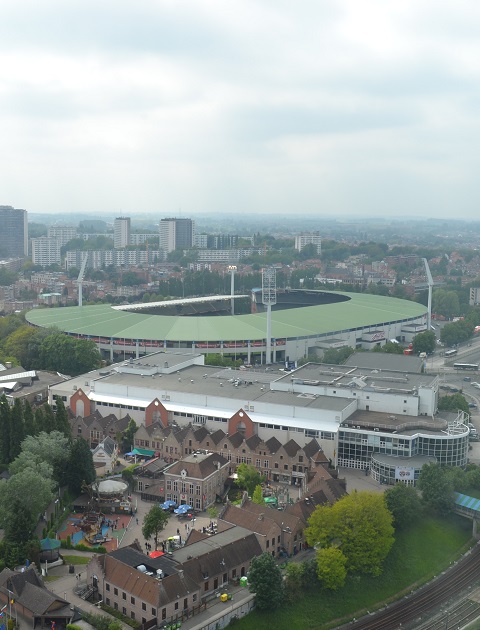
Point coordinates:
[(231, 270), (269, 297), (80, 279), (430, 287)]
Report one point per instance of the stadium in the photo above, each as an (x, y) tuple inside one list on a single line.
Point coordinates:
[(302, 323)]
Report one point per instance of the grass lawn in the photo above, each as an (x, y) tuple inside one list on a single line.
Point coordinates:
[(418, 554), (76, 559)]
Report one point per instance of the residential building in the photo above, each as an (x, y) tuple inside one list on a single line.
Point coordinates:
[(302, 240), (176, 234), (63, 233), (14, 231), (46, 251), (121, 232)]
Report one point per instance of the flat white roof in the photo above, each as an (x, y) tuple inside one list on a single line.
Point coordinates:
[(297, 423)]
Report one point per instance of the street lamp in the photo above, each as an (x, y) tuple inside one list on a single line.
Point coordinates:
[(231, 270)]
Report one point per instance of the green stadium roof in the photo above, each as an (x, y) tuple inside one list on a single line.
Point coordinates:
[(360, 311)]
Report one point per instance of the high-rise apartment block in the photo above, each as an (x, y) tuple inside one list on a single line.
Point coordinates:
[(63, 233), (46, 251), (176, 234), (121, 232), (301, 240), (14, 232)]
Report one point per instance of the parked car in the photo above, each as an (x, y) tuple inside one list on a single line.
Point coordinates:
[(472, 405), (474, 384), (467, 379)]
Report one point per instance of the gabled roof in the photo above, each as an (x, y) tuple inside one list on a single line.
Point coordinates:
[(236, 515), (198, 466), (273, 445), (291, 448), (311, 448), (236, 439), (217, 436), (201, 433), (253, 442), (30, 591)]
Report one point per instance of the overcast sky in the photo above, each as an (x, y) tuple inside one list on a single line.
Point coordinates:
[(289, 106)]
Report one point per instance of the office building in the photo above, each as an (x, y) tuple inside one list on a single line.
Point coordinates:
[(14, 231), (121, 232), (46, 251), (176, 234)]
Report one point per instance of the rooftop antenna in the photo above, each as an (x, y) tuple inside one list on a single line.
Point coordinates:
[(80, 279), (269, 297), (430, 287)]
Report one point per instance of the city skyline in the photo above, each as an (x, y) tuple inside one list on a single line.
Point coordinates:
[(334, 109)]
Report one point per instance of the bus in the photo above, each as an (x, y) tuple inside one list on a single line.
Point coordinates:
[(465, 366), (450, 353)]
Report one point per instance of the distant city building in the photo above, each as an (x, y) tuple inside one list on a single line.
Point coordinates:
[(93, 225), (46, 251), (140, 239), (14, 231), (63, 233), (121, 232), (99, 259), (176, 234), (201, 241), (474, 296), (302, 240)]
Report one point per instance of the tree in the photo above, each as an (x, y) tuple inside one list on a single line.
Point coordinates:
[(25, 492), (424, 342), (52, 448), (128, 436), (293, 581), (154, 522), (60, 353), (404, 504), (4, 431), (80, 468), (393, 348), (437, 488), (61, 418), (360, 524), (248, 477), (212, 512), (445, 303), (28, 419), (337, 357), (257, 496), (331, 569), (265, 580), (455, 402), (17, 429)]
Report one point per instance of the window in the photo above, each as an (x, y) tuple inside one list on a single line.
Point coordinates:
[(124, 596), (132, 615), (132, 600), (185, 603), (154, 612), (194, 597), (107, 601), (164, 613), (268, 544), (144, 606), (234, 573), (300, 458), (115, 591), (107, 587), (115, 605), (124, 610), (206, 586), (176, 605)]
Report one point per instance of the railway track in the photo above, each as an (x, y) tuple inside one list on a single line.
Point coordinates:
[(409, 611)]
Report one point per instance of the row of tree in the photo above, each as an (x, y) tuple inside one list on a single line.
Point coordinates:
[(45, 349)]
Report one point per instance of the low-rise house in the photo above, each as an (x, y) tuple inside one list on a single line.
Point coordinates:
[(150, 590), (197, 480), (24, 594), (105, 457)]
